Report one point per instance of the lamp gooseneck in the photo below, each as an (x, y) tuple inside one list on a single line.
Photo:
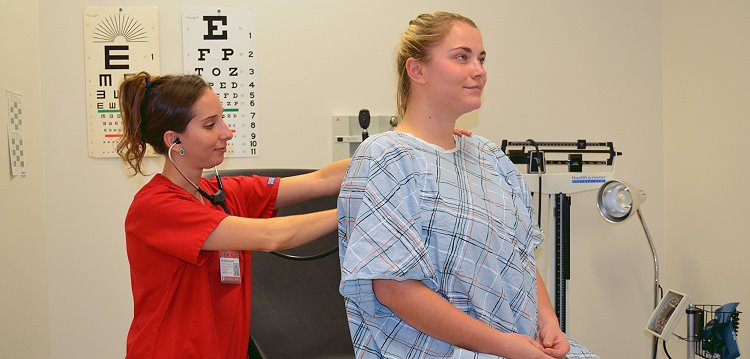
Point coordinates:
[(617, 200)]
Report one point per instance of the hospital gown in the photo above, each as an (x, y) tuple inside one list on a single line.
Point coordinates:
[(459, 221)]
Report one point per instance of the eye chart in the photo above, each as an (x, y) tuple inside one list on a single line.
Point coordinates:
[(15, 135), (219, 45), (119, 42)]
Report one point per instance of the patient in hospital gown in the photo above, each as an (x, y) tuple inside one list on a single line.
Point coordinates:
[(437, 242)]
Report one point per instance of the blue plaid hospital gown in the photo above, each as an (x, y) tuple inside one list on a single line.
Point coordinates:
[(459, 221)]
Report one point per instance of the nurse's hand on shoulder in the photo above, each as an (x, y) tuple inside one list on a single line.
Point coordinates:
[(461, 132)]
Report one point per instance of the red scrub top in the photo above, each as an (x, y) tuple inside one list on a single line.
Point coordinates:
[(181, 308)]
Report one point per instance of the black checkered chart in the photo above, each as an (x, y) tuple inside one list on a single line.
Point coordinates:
[(15, 134)]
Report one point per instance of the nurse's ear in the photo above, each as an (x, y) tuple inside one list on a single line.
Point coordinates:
[(170, 138), (415, 70)]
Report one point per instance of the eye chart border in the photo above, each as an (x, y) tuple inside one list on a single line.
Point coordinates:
[(218, 43), (119, 41)]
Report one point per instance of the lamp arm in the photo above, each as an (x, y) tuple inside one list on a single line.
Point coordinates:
[(653, 253), (655, 340)]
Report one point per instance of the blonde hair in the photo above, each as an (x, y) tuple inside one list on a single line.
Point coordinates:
[(419, 37)]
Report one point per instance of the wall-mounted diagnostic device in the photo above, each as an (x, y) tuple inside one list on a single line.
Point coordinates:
[(364, 122), (350, 130)]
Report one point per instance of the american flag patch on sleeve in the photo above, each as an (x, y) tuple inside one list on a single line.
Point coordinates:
[(271, 181)]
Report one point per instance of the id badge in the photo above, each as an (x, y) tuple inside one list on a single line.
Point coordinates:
[(229, 266)]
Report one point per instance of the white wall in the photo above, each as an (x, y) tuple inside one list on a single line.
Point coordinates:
[(706, 111), (557, 71), (24, 306)]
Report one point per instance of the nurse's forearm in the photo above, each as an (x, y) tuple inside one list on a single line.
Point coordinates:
[(270, 234)]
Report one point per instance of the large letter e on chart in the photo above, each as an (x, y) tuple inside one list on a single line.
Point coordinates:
[(212, 27)]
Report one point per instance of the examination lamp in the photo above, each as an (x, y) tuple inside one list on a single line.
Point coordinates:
[(617, 201)]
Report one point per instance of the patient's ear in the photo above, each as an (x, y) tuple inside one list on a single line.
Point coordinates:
[(414, 68)]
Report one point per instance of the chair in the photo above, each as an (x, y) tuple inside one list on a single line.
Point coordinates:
[(297, 311)]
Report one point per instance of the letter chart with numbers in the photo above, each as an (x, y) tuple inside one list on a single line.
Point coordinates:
[(219, 45)]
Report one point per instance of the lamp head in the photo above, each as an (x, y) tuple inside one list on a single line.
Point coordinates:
[(618, 200)]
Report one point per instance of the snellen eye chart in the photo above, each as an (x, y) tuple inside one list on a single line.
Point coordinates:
[(119, 41), (219, 45)]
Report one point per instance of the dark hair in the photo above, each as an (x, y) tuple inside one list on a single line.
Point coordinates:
[(419, 37), (152, 105)]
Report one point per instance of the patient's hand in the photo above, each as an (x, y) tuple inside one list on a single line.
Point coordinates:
[(553, 341), (521, 346)]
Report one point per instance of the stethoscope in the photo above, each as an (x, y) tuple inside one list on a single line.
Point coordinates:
[(219, 199)]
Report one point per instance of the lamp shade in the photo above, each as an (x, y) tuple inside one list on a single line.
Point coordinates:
[(618, 200)]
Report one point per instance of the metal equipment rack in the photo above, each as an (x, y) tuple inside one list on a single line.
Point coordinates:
[(697, 317)]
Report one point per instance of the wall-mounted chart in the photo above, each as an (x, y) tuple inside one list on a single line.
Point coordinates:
[(119, 41), (15, 134), (219, 45)]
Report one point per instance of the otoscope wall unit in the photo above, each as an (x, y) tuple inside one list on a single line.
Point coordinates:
[(350, 130)]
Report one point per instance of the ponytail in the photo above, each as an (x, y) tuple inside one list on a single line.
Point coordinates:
[(132, 146)]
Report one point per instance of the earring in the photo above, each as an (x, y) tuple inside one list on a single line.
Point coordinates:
[(182, 151)]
